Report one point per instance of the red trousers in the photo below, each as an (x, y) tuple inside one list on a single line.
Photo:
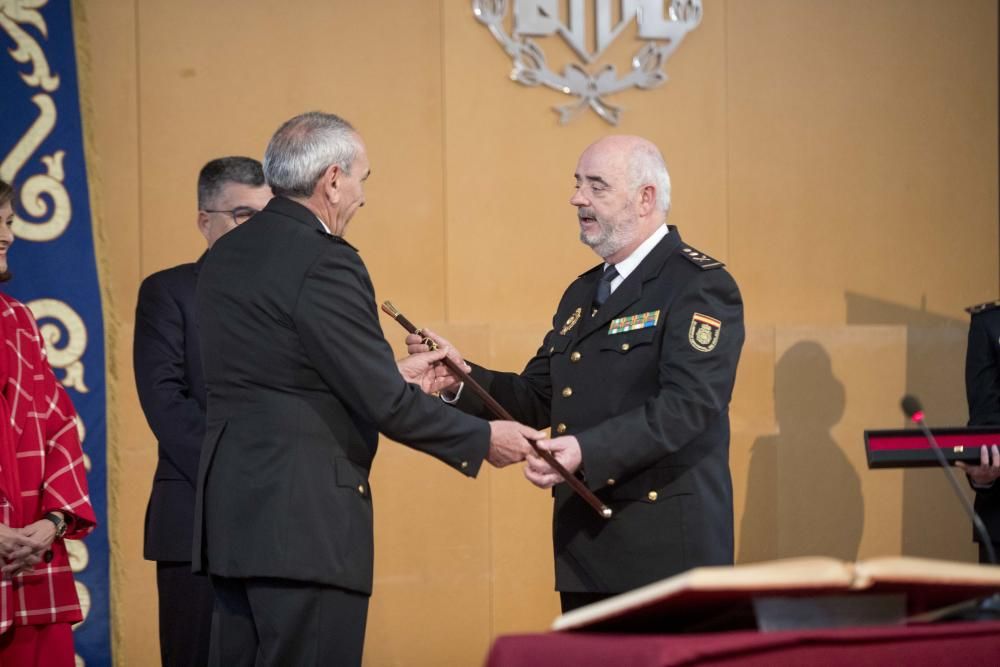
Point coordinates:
[(38, 646)]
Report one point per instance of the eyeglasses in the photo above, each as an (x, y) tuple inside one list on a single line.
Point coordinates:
[(240, 214)]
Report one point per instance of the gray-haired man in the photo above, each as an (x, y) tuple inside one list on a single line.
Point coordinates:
[(300, 383), (167, 362)]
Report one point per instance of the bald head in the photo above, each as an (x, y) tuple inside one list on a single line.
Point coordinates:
[(640, 160), (622, 194)]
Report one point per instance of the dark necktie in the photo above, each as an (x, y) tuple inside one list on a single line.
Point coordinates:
[(604, 286)]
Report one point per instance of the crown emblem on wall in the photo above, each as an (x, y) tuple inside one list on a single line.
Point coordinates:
[(661, 26)]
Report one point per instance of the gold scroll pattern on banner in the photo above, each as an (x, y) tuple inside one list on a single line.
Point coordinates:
[(64, 353), (43, 196)]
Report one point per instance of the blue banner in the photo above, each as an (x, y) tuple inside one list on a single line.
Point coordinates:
[(53, 258)]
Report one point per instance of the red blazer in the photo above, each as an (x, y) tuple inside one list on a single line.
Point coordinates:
[(41, 470)]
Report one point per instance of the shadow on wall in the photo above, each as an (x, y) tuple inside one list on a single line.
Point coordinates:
[(935, 366), (803, 494)]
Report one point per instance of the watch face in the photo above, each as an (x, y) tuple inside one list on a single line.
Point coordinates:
[(59, 523)]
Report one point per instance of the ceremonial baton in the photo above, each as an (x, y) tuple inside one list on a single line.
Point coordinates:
[(499, 411)]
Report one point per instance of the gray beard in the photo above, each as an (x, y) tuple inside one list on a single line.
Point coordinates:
[(610, 240)]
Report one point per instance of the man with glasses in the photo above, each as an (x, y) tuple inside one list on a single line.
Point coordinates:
[(168, 374)]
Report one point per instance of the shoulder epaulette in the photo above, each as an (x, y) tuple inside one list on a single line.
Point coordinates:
[(982, 307), (700, 259)]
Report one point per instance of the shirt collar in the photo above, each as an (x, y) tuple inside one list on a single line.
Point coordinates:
[(630, 263), (325, 228)]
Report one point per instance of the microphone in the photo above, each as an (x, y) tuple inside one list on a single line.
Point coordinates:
[(915, 412), (987, 608)]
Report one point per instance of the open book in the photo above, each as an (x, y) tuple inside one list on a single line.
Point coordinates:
[(721, 598)]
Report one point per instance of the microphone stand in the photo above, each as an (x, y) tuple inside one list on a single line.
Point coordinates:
[(987, 609)]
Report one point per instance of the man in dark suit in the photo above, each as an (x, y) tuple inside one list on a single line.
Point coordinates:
[(982, 389), (167, 363), (300, 383), (635, 379)]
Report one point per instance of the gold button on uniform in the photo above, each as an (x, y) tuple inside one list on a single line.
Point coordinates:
[(651, 495), (361, 489), (575, 357), (611, 481), (625, 347), (567, 392), (561, 428)]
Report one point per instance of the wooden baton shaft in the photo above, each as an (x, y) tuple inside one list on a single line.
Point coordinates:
[(498, 411)]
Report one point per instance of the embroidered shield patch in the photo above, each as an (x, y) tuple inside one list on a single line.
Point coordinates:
[(704, 332)]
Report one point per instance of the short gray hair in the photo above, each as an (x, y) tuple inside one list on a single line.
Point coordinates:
[(217, 173), (646, 167), (303, 148)]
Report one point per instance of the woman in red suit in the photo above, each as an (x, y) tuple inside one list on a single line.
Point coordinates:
[(43, 487)]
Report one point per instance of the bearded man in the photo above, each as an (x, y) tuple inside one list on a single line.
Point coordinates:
[(634, 378)]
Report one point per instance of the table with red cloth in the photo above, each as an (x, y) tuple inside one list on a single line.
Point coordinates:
[(969, 644)]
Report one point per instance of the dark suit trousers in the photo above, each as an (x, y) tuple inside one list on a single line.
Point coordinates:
[(186, 603), (263, 622)]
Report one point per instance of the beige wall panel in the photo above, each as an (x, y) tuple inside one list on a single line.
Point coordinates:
[(209, 88), (509, 166), (751, 414), (863, 154), (432, 577), (809, 491), (524, 598)]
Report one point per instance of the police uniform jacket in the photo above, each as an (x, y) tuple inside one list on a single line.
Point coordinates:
[(300, 382), (982, 388), (645, 386)]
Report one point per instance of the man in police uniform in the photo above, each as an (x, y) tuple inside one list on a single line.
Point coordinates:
[(635, 379), (982, 389)]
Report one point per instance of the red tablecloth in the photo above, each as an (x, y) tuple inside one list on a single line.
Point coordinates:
[(965, 644)]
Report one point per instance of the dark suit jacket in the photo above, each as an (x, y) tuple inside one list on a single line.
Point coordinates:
[(651, 412), (982, 389), (168, 377), (300, 383)]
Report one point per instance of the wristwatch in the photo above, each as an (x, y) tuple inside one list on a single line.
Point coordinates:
[(59, 522)]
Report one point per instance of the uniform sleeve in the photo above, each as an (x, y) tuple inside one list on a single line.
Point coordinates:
[(982, 375), (339, 328), (175, 417), (64, 479), (526, 396), (696, 377)]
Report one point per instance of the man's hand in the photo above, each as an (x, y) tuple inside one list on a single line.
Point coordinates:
[(509, 442), (565, 449), (426, 370), (988, 470), (415, 345)]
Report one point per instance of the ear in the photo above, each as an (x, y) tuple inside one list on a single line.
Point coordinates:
[(330, 181), (647, 199), (204, 225)]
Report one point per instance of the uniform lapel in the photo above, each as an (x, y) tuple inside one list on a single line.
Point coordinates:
[(630, 290)]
